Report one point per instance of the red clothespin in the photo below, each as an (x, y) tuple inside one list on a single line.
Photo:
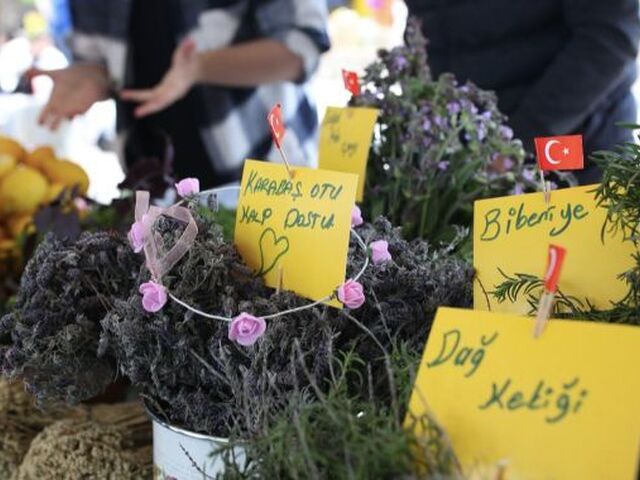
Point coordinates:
[(565, 152), (555, 259), (278, 131), (351, 82)]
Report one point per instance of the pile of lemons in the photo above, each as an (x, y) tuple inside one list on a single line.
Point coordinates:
[(28, 181)]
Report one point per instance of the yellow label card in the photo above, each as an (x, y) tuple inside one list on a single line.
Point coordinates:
[(298, 226), (345, 139), (562, 406), (512, 235)]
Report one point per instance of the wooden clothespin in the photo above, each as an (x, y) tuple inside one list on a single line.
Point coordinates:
[(278, 131), (501, 469), (555, 259)]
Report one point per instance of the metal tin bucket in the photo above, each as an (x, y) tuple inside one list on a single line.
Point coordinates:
[(183, 455)]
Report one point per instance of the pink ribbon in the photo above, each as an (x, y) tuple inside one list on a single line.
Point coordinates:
[(159, 261)]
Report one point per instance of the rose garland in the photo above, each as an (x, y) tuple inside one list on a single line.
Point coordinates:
[(245, 329)]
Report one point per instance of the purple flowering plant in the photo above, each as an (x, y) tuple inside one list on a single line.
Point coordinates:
[(438, 146)]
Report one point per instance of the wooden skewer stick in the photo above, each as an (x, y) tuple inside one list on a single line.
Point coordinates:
[(546, 187)]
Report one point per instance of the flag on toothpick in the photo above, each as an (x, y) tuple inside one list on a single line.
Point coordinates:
[(555, 258), (276, 124), (351, 82), (560, 153)]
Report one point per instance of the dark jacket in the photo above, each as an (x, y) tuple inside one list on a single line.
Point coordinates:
[(558, 66)]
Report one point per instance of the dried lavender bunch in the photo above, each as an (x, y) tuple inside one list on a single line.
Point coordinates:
[(190, 371), (439, 145), (50, 338), (185, 364)]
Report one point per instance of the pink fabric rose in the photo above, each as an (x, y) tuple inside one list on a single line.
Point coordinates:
[(351, 294), (356, 217), (246, 329), (187, 187), (380, 252), (136, 236), (154, 296)]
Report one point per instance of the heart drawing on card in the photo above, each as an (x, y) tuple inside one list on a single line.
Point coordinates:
[(272, 248)]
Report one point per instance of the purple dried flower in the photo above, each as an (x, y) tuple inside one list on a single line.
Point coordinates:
[(453, 108), (426, 125), (469, 106), (508, 164), (400, 62), (505, 132), (481, 132), (443, 165), (518, 189), (529, 174)]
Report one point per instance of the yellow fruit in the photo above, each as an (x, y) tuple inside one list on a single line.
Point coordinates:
[(9, 146), (7, 163), (66, 173), (7, 246), (19, 224), (55, 189), (22, 190), (35, 158)]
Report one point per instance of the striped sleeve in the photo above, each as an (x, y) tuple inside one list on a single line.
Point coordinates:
[(301, 25)]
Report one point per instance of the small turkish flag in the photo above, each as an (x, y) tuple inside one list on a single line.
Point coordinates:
[(560, 153), (276, 124), (554, 266), (351, 82)]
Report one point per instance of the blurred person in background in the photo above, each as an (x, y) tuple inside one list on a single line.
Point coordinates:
[(204, 74), (558, 66), (31, 47)]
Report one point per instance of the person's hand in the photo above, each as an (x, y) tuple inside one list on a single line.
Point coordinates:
[(75, 90), (177, 82)]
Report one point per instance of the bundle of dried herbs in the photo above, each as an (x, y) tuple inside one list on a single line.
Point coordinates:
[(79, 320), (341, 434), (439, 145), (76, 450), (50, 339), (191, 372)]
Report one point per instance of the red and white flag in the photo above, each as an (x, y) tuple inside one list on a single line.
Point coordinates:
[(351, 82), (555, 260), (276, 124), (560, 153)]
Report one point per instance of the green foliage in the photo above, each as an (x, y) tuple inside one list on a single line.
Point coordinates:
[(438, 147), (566, 307), (346, 433), (619, 193)]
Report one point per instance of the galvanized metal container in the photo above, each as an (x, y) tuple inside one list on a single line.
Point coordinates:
[(179, 454)]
